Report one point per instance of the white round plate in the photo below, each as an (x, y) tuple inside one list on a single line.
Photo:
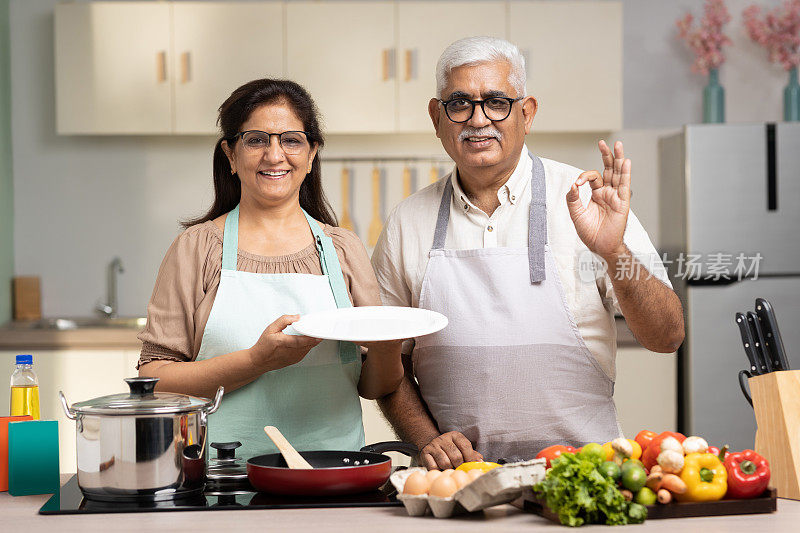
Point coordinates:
[(370, 324)]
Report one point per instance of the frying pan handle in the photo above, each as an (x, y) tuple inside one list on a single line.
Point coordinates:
[(392, 446)]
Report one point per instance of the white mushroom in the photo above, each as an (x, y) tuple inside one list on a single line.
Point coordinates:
[(671, 443), (695, 445), (671, 461)]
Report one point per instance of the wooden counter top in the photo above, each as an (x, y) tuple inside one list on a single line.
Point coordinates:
[(13, 338), (21, 514)]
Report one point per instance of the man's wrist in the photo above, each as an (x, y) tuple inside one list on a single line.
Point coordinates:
[(614, 259)]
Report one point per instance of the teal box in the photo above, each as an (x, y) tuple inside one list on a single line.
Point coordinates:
[(33, 457)]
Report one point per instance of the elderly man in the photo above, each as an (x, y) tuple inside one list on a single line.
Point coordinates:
[(502, 246)]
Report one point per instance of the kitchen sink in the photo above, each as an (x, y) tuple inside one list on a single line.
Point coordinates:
[(65, 323)]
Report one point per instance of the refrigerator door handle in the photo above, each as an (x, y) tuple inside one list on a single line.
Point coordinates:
[(772, 171)]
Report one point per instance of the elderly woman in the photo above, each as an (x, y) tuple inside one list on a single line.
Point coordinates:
[(268, 250)]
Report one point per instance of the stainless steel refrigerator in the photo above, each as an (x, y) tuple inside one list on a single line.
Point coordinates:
[(729, 190)]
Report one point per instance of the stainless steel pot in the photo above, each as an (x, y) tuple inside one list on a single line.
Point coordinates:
[(142, 445)]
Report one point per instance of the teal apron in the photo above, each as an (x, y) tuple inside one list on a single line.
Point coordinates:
[(315, 402)]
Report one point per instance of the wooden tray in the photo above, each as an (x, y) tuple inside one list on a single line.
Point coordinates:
[(767, 503)]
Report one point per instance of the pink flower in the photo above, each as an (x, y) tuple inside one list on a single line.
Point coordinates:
[(777, 31), (707, 40)]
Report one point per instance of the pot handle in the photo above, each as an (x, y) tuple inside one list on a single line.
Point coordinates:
[(67, 410), (217, 400), (392, 446)]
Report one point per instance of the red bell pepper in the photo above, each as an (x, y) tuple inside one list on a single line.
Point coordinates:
[(748, 474), (722, 454), (650, 454), (552, 452)]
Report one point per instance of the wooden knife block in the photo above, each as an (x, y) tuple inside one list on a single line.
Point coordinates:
[(776, 401)]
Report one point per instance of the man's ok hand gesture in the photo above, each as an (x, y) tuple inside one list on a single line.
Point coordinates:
[(601, 223)]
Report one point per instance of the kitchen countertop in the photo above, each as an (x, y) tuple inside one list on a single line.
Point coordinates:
[(21, 514), (13, 337)]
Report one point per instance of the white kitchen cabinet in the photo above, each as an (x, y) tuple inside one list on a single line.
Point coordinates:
[(217, 48), (424, 31), (159, 68), (574, 59), (112, 72), (81, 374), (344, 54)]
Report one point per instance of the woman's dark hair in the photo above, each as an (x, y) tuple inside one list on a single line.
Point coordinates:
[(233, 113)]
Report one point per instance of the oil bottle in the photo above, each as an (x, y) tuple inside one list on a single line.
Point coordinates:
[(24, 389)]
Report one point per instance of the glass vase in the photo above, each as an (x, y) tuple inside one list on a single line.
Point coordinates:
[(713, 99), (791, 98)]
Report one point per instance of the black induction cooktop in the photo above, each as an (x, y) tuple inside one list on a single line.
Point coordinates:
[(70, 500)]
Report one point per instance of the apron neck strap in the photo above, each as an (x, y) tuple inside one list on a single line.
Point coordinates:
[(537, 220), (230, 240)]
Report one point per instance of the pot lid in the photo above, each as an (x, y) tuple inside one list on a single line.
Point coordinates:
[(141, 400)]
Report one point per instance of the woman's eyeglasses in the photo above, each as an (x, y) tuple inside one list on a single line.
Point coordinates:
[(291, 142)]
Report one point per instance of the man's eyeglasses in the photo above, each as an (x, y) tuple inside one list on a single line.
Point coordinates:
[(496, 108), (291, 142)]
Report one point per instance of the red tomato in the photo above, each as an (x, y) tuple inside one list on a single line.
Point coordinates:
[(645, 437), (552, 452), (650, 455)]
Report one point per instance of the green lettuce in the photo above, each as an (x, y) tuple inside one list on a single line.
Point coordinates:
[(579, 493)]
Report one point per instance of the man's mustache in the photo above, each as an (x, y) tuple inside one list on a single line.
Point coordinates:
[(486, 131)]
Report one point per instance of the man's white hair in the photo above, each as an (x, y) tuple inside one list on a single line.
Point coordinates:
[(474, 50)]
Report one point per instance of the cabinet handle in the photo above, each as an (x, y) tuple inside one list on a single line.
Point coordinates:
[(186, 73), (388, 64), (161, 66), (410, 63)]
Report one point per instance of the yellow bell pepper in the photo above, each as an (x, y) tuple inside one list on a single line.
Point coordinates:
[(705, 477), (637, 450), (484, 466)]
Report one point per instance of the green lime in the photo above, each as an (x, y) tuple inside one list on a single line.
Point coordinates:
[(611, 470), (630, 463), (645, 497), (593, 452), (634, 478)]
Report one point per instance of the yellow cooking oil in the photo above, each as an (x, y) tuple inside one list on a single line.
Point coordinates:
[(25, 401)]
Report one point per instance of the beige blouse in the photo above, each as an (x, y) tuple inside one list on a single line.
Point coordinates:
[(187, 283)]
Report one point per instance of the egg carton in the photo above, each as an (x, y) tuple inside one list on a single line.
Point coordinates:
[(500, 485)]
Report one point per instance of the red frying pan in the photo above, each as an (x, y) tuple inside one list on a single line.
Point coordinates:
[(333, 472)]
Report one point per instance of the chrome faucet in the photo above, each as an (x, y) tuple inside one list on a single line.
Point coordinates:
[(110, 308)]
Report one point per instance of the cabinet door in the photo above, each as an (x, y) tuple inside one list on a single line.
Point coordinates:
[(208, 66), (112, 72), (424, 31), (574, 60), (342, 52)]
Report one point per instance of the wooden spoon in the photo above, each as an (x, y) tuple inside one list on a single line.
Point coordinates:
[(433, 176), (346, 221), (406, 181), (376, 225), (292, 457)]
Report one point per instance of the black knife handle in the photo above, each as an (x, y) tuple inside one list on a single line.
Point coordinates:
[(769, 324), (747, 342), (761, 345)]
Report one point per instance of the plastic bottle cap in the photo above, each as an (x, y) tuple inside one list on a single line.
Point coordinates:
[(24, 359)]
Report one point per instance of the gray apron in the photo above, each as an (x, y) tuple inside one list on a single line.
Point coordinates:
[(511, 371)]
